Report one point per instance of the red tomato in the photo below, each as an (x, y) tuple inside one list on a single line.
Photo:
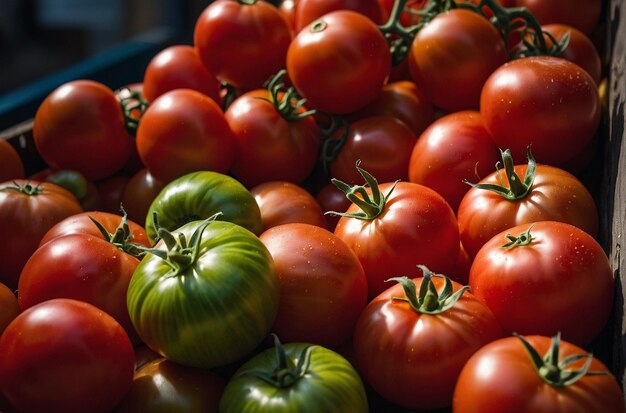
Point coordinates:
[(179, 67), (81, 126), (502, 378), (184, 131), (288, 10), (28, 209), (9, 307), (65, 356), (330, 198), (584, 16), (110, 191), (382, 143), (11, 166), (410, 225), (323, 288), (547, 102), (340, 62), (307, 11), (271, 145), (452, 57), (227, 25), (558, 278), (553, 195), (405, 101), (283, 203), (139, 193), (412, 354)]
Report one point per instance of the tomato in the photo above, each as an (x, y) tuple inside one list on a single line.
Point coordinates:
[(453, 55), (99, 274), (206, 296), (307, 11), (330, 198), (502, 378), (547, 277), (382, 143), (540, 193), (584, 16), (9, 307), (392, 228), (225, 25), (164, 386), (184, 131), (288, 10), (81, 126), (139, 193), (411, 347), (547, 102), (197, 196), (323, 288), (179, 67), (284, 203), (342, 51), (11, 165), (65, 356), (405, 101), (296, 378), (271, 144), (27, 210), (110, 191), (454, 148)]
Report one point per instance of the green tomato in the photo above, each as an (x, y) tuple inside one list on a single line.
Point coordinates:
[(206, 296), (295, 378), (199, 195)]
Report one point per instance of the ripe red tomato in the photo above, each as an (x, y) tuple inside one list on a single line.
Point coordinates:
[(226, 26), (308, 11), (179, 67), (553, 195), (110, 192), (81, 126), (382, 143), (284, 203), (139, 193), (544, 101), (454, 148), (65, 356), (502, 378), (330, 198), (399, 229), (412, 354), (28, 209), (11, 166), (271, 145), (554, 278), (323, 288), (340, 62), (9, 307), (584, 16), (184, 131), (452, 57), (288, 10)]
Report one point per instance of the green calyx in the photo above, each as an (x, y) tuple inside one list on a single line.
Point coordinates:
[(122, 236), (429, 300), (372, 205), (522, 240), (518, 188), (289, 105), (556, 372), (26, 189), (133, 106), (180, 253), (287, 371)]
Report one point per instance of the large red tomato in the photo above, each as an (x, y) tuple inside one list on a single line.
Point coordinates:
[(28, 209), (65, 356), (544, 101), (184, 131), (410, 347), (323, 288), (242, 42), (452, 57), (395, 227), (503, 377), (454, 148), (543, 278), (81, 126), (340, 62)]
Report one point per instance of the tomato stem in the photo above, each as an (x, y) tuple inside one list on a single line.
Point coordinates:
[(122, 236), (133, 107), (26, 189), (524, 239)]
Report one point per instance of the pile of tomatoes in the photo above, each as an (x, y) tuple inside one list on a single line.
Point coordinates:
[(325, 206)]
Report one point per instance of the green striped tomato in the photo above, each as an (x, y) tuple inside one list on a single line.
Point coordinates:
[(213, 309)]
